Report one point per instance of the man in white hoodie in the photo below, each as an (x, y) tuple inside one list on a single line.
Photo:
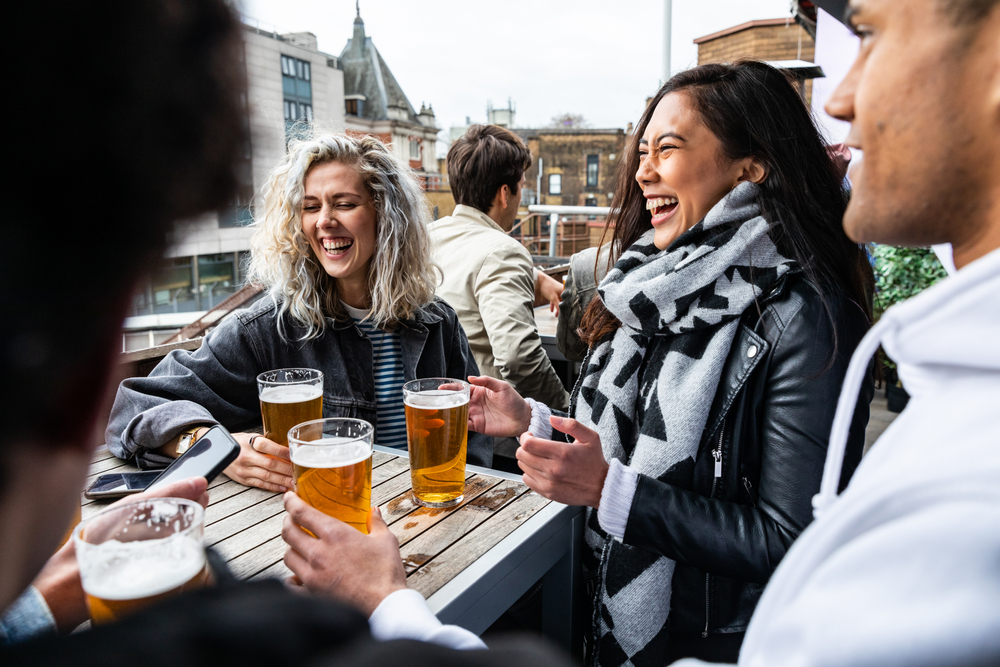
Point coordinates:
[(903, 568)]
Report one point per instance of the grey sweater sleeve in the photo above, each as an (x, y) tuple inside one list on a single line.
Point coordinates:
[(214, 384)]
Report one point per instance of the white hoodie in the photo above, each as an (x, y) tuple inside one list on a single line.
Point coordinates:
[(904, 567)]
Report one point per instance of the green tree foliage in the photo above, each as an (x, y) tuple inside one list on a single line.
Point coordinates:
[(901, 273)]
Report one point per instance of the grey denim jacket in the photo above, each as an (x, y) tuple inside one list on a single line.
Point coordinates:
[(217, 383)]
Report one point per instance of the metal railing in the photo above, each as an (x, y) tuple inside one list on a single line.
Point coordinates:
[(432, 181), (558, 217)]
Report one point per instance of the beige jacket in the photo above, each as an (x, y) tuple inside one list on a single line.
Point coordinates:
[(488, 281)]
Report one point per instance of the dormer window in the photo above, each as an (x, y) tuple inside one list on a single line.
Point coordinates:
[(354, 105)]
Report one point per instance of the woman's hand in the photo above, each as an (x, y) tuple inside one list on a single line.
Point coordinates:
[(265, 464), (571, 473), (341, 562), (495, 408)]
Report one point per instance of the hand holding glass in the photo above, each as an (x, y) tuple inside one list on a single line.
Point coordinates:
[(333, 467), (140, 553)]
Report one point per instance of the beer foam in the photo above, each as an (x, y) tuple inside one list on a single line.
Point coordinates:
[(294, 393), (348, 452), (131, 570), (436, 399)]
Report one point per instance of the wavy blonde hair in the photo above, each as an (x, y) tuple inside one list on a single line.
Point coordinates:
[(401, 277)]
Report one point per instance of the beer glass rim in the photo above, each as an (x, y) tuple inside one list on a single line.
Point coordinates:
[(367, 429), (199, 517), (318, 376), (409, 386)]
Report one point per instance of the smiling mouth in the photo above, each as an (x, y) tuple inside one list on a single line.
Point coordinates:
[(337, 246), (661, 207)]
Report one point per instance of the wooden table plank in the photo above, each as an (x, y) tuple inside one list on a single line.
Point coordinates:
[(277, 571), (424, 518), (389, 489), (263, 556), (421, 550), (389, 470), (105, 466), (247, 518), (435, 574), (247, 540), (239, 500)]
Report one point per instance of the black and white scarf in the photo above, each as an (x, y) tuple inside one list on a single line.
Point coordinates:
[(690, 296)]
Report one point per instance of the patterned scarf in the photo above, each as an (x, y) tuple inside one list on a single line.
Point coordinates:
[(651, 412)]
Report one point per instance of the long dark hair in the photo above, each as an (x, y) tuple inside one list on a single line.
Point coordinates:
[(754, 111)]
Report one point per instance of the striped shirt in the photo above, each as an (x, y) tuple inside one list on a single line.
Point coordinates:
[(387, 360)]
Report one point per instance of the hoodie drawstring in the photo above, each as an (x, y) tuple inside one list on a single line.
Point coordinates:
[(845, 413)]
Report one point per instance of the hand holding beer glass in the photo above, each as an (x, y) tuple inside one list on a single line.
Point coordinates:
[(437, 434), (139, 553), (333, 467)]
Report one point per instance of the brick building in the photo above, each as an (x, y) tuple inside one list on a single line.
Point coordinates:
[(768, 39), (577, 166)]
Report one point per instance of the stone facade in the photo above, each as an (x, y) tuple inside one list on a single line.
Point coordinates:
[(769, 39), (377, 105), (571, 155)]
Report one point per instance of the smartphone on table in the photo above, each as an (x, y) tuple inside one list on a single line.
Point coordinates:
[(208, 456)]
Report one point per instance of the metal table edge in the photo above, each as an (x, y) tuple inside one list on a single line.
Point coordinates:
[(525, 542)]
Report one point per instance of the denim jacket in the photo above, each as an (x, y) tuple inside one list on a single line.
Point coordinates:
[(217, 383)]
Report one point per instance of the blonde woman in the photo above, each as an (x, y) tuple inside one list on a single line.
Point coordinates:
[(342, 249)]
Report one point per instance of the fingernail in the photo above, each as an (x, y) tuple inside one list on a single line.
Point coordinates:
[(556, 420)]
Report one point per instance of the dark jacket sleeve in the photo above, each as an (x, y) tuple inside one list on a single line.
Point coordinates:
[(214, 384), (461, 364), (258, 624), (794, 413)]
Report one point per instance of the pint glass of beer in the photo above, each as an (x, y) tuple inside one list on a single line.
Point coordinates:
[(333, 467), (437, 433), (140, 553), (289, 396)]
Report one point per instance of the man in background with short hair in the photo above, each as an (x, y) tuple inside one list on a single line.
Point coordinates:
[(488, 276)]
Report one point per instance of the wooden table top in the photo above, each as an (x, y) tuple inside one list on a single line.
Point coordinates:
[(546, 321), (244, 523)]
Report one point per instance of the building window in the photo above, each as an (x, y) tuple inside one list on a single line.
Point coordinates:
[(351, 107), (296, 87), (528, 197), (555, 184), (593, 162), (414, 149)]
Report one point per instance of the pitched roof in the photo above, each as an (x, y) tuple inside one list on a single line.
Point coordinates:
[(365, 73)]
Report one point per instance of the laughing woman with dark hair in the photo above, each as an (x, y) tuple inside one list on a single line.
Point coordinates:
[(717, 350)]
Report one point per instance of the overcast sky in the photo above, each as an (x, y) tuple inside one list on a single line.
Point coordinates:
[(597, 58)]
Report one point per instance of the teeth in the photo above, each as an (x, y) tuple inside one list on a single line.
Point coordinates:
[(338, 244), (660, 201)]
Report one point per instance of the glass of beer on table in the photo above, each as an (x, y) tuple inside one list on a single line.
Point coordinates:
[(140, 553), (437, 434), (333, 467), (289, 396)]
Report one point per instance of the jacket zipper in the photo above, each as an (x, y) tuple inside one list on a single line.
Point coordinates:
[(717, 455)]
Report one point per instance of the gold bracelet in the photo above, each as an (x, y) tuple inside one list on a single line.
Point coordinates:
[(187, 438)]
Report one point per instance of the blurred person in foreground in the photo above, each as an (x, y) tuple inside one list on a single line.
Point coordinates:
[(903, 567), (488, 276), (342, 249), (156, 132), (718, 347)]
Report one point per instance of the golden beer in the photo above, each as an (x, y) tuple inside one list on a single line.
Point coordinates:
[(437, 433), (140, 553), (114, 594), (332, 459), (281, 408), (338, 481)]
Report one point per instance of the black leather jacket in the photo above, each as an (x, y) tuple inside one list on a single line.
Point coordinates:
[(768, 427)]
